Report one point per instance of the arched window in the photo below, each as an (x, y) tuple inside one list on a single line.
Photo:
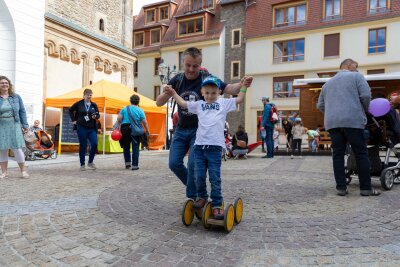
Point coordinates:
[(101, 25)]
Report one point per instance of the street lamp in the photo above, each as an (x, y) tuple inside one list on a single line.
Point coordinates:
[(166, 74)]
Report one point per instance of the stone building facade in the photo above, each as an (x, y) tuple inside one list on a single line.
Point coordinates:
[(86, 41), (233, 13)]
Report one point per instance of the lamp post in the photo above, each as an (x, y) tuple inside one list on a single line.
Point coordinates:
[(166, 74)]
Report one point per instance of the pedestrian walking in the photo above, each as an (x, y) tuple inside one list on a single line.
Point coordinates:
[(13, 123), (345, 99), (84, 114), (128, 115)]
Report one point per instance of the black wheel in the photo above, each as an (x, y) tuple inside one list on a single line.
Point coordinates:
[(396, 179), (224, 154), (387, 178), (32, 157), (53, 155), (188, 212)]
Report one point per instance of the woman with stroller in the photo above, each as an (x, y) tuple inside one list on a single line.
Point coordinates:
[(13, 122), (239, 143)]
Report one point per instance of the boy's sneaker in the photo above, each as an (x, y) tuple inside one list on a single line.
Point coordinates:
[(83, 168), (218, 213), (127, 167), (134, 168), (198, 204), (342, 192), (91, 166)]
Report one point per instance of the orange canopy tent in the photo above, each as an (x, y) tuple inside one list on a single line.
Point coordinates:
[(110, 98)]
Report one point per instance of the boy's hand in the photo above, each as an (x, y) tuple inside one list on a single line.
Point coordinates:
[(169, 90), (246, 81)]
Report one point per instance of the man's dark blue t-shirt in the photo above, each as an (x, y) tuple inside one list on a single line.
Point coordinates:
[(189, 90)]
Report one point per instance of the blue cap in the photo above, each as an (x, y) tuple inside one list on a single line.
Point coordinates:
[(297, 119), (211, 80)]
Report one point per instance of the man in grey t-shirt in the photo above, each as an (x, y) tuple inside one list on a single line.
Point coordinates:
[(345, 99)]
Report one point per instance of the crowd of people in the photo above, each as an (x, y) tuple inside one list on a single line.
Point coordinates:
[(201, 127)]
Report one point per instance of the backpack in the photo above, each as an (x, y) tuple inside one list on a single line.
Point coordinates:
[(136, 126), (273, 115), (179, 79)]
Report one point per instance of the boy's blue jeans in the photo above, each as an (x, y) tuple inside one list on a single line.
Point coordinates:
[(208, 158), (182, 142), (85, 134)]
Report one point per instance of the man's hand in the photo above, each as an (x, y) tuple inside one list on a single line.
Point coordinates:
[(169, 90), (246, 81)]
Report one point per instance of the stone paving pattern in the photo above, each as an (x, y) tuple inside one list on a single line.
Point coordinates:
[(117, 217)]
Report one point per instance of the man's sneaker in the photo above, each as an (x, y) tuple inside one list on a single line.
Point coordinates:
[(245, 156), (372, 192), (134, 168), (91, 166), (342, 192), (198, 204), (127, 167), (218, 213), (291, 156), (237, 156), (83, 168), (263, 151)]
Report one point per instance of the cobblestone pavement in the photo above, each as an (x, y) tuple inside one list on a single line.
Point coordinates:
[(117, 217)]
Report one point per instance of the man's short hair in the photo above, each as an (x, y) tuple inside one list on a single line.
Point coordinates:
[(346, 62), (193, 52), (87, 91), (135, 99)]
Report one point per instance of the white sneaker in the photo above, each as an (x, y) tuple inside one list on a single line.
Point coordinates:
[(91, 166), (291, 156), (237, 156), (83, 168), (3, 175), (300, 157), (25, 175)]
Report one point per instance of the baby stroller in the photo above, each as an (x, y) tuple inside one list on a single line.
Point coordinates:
[(41, 147), (383, 134), (227, 151)]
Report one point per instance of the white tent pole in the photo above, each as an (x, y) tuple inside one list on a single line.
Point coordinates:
[(104, 129), (44, 119)]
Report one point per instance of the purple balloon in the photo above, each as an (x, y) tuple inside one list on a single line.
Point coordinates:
[(379, 107)]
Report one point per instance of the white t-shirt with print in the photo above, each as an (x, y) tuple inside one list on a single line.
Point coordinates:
[(211, 120)]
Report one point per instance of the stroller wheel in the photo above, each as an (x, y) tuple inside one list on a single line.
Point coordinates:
[(53, 155), (32, 157), (387, 179)]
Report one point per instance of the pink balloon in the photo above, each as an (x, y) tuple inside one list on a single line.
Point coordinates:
[(379, 107)]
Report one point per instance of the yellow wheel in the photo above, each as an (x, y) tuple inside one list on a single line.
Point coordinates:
[(229, 218), (206, 214), (188, 212), (238, 209)]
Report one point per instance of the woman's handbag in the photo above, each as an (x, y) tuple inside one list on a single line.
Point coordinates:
[(240, 143)]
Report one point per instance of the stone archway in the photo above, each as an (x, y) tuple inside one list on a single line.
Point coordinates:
[(7, 42)]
